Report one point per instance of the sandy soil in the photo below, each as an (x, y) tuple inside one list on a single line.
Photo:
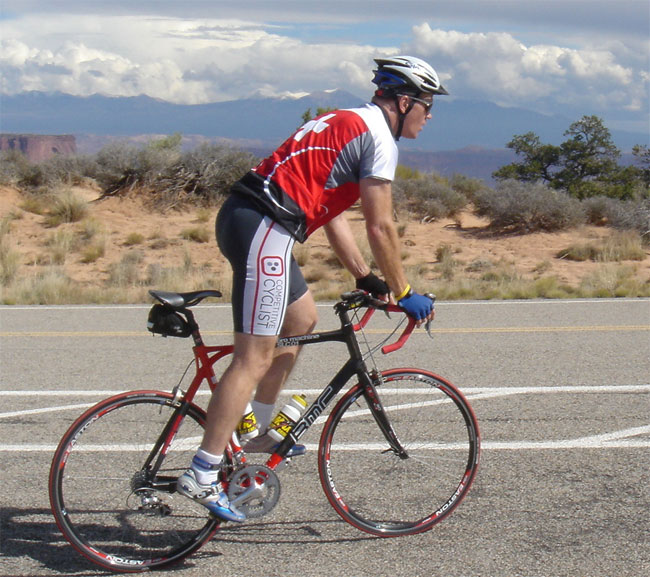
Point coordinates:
[(115, 220)]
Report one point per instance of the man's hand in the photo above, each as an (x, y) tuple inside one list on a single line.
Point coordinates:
[(417, 306), (372, 284)]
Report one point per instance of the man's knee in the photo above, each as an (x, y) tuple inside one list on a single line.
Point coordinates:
[(301, 317), (253, 354)]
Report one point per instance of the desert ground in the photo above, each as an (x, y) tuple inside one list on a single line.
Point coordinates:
[(140, 247)]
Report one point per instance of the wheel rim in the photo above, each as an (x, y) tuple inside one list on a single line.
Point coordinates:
[(104, 503), (371, 487)]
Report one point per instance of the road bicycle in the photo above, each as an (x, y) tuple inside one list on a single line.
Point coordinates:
[(397, 453)]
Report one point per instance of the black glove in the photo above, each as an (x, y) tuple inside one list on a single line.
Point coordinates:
[(372, 284)]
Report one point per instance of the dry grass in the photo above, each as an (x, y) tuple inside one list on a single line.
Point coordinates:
[(66, 207), (134, 238), (9, 258), (120, 249), (620, 246), (196, 234)]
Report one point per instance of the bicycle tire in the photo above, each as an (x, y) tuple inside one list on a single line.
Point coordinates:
[(375, 490), (100, 498)]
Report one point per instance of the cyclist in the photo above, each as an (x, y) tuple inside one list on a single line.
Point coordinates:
[(308, 182)]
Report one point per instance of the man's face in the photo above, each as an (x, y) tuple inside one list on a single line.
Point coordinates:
[(418, 115)]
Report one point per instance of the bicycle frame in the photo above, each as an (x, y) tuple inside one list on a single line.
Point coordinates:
[(206, 356), (141, 524)]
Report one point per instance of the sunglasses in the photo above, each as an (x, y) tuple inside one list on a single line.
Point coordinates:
[(428, 104)]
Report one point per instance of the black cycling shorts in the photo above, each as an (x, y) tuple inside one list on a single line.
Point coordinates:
[(266, 277)]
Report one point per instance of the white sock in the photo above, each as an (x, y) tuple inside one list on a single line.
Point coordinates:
[(263, 414), (206, 467)]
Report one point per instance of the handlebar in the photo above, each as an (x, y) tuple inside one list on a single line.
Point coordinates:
[(358, 298)]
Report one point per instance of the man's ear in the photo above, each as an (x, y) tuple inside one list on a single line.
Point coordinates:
[(403, 103)]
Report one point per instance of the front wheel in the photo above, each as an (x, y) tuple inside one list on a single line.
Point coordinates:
[(114, 497), (378, 491)]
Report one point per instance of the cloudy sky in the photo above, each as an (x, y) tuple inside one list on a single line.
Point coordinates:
[(571, 57)]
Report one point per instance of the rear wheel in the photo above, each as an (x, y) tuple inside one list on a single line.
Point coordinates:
[(373, 488), (117, 511)]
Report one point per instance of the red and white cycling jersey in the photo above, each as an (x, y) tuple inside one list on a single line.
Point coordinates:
[(314, 175)]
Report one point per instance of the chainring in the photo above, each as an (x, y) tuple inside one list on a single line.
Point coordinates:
[(254, 490)]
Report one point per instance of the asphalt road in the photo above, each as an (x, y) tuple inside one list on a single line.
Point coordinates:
[(561, 390)]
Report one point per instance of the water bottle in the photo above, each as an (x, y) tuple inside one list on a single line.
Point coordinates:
[(287, 417), (248, 428)]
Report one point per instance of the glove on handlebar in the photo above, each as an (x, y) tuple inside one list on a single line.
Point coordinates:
[(416, 305), (372, 284)]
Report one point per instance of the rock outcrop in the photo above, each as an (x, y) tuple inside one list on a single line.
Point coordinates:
[(39, 147)]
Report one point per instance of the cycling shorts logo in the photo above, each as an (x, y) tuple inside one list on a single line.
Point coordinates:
[(273, 266)]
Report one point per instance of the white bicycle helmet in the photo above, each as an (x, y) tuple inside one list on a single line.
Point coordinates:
[(406, 75)]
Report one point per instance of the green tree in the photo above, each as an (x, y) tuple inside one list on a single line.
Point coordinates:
[(589, 158), (170, 142), (538, 160), (584, 165), (307, 116), (641, 154)]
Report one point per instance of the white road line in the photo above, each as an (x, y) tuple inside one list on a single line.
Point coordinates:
[(625, 438), (595, 442), (10, 414), (313, 391), (472, 394)]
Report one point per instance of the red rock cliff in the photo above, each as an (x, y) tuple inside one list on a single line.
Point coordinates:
[(39, 147)]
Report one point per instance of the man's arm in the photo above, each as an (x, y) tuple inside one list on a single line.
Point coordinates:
[(377, 207), (339, 234)]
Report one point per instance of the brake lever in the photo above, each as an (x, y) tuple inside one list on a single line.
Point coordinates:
[(427, 326)]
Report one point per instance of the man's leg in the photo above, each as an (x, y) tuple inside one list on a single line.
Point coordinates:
[(252, 358), (300, 318)]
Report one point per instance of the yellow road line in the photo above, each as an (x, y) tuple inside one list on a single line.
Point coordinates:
[(95, 334)]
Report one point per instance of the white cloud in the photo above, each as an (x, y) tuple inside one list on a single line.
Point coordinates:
[(499, 66), (201, 59)]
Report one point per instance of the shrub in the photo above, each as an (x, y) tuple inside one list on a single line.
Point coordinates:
[(61, 243), (446, 263), (467, 186), (9, 258), (127, 271), (201, 176), (67, 170), (67, 207), (620, 214), (90, 228), (428, 197), (36, 204), (117, 166), (203, 215), (93, 251), (624, 245), (527, 207), (196, 234), (16, 169), (12, 163), (133, 238), (614, 280)]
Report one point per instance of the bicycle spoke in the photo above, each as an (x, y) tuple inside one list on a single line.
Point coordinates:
[(108, 507), (373, 488)]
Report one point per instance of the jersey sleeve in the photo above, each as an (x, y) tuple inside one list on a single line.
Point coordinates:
[(379, 152)]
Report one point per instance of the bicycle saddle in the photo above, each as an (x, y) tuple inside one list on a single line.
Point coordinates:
[(182, 300)]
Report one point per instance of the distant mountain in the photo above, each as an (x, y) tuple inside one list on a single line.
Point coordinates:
[(265, 122), (463, 137)]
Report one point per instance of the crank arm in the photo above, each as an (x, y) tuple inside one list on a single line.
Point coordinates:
[(255, 491)]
